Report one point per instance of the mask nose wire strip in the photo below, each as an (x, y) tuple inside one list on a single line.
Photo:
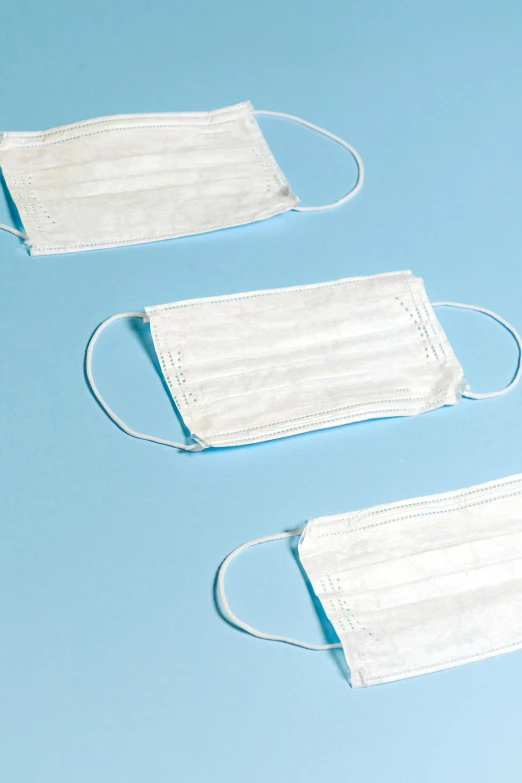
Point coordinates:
[(14, 231), (360, 165), (231, 617), (110, 413), (506, 325)]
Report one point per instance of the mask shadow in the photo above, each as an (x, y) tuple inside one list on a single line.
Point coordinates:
[(11, 207), (142, 331), (328, 630)]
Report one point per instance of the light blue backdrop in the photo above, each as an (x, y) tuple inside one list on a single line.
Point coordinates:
[(114, 665)]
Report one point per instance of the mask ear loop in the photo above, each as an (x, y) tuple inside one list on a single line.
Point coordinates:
[(14, 231), (110, 413), (360, 165), (486, 395), (231, 617)]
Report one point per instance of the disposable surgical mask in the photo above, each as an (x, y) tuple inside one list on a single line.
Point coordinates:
[(416, 586), (267, 364), (135, 178)]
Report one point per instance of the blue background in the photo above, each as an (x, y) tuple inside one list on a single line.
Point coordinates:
[(114, 664)]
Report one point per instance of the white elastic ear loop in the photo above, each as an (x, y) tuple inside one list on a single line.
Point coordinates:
[(360, 165), (116, 419), (14, 231), (506, 325), (231, 617)]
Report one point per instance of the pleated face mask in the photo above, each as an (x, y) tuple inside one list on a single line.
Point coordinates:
[(416, 586), (136, 178), (267, 364)]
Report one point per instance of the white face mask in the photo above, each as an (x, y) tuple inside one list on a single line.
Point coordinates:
[(416, 586), (129, 179), (267, 364)]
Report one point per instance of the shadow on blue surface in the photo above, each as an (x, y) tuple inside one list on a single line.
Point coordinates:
[(330, 637), (142, 330), (11, 207)]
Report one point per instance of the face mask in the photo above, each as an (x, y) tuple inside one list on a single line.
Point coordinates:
[(416, 586), (267, 364), (129, 179)]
